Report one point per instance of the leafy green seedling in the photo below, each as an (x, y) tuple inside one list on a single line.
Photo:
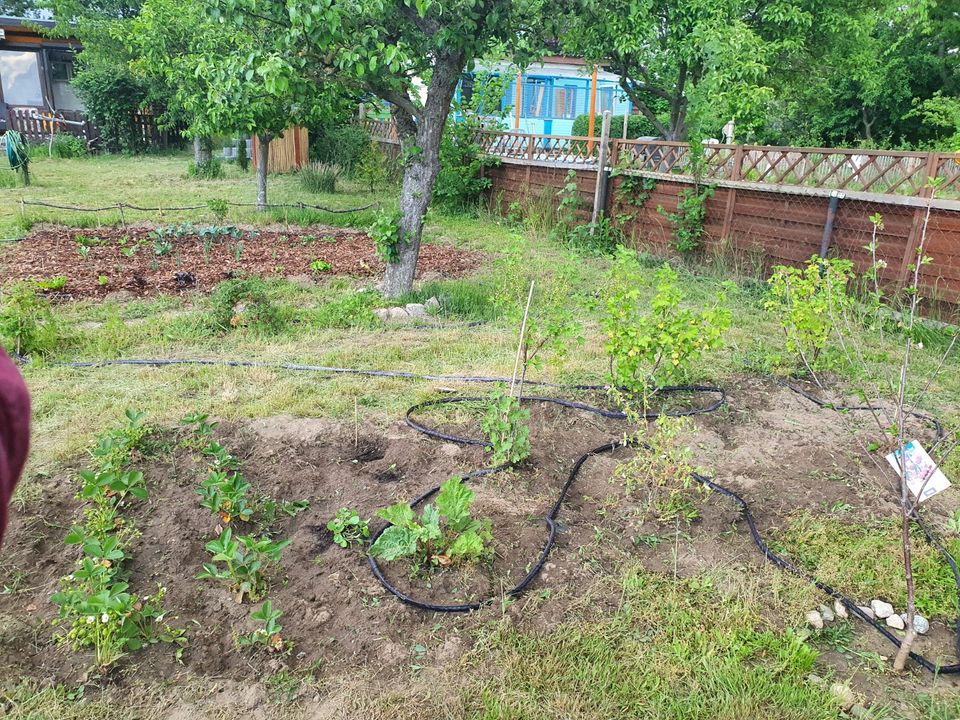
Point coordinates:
[(444, 533), (348, 528)]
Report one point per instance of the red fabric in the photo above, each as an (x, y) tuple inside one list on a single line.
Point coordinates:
[(14, 432)]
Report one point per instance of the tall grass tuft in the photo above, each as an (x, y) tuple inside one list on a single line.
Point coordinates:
[(318, 177)]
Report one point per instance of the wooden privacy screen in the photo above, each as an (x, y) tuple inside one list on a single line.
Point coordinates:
[(769, 205), (288, 152), (766, 227)]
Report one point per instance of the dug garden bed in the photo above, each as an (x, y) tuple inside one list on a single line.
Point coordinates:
[(148, 260), (785, 456)]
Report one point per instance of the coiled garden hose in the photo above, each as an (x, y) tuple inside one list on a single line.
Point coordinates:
[(550, 518)]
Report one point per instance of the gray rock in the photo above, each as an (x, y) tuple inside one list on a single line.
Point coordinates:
[(867, 611), (840, 609), (920, 624), (827, 613), (382, 313), (814, 679), (815, 620), (896, 622), (449, 449), (881, 609), (416, 310), (398, 313), (844, 695), (432, 304)]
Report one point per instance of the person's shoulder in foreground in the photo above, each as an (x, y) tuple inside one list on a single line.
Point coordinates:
[(14, 431)]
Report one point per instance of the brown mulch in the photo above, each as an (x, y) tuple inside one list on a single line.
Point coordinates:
[(128, 259)]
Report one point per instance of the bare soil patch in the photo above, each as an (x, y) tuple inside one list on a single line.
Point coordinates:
[(781, 453), (128, 258)]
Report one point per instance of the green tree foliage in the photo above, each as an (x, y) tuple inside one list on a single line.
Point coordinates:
[(386, 47), (870, 84), (682, 64)]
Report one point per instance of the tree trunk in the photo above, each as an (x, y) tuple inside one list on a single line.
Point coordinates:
[(263, 157), (420, 140), (202, 150)]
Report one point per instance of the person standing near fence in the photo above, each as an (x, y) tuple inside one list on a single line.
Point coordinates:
[(14, 432)]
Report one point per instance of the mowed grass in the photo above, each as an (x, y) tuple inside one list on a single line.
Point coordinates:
[(644, 645), (161, 181)]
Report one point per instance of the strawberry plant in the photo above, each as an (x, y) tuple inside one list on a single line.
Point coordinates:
[(268, 635), (348, 528), (505, 425), (113, 621), (94, 601), (224, 493), (114, 448), (443, 534), (244, 559), (98, 486)]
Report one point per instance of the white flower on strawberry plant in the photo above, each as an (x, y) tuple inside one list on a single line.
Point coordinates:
[(91, 619), (105, 618)]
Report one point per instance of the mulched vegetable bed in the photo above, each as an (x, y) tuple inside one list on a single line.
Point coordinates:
[(145, 260)]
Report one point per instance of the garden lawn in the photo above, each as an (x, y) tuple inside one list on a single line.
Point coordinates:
[(720, 639)]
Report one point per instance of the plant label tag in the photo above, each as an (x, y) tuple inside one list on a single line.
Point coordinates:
[(924, 478)]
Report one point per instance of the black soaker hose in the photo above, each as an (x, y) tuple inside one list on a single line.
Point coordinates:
[(744, 507)]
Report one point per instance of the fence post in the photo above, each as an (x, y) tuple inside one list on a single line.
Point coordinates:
[(736, 173), (599, 194), (529, 158), (913, 239)]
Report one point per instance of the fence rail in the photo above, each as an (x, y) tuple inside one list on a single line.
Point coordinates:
[(884, 172), (37, 126)]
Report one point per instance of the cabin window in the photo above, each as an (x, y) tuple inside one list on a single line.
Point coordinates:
[(605, 100), (20, 78), (566, 102), (536, 103)]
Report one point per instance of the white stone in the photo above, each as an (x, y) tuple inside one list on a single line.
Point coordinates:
[(896, 622), (827, 613), (881, 609), (416, 309), (840, 609), (432, 304), (920, 624), (382, 313), (815, 620), (398, 313), (867, 611)]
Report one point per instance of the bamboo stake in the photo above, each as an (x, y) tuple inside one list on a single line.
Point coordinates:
[(523, 331)]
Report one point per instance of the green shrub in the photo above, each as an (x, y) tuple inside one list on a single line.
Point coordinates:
[(459, 185), (807, 302), (245, 304), (343, 146), (374, 168), (112, 94), (212, 169), (243, 162), (27, 325), (65, 145), (637, 126), (687, 221), (319, 177), (653, 347)]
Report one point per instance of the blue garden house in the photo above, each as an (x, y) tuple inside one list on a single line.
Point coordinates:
[(555, 92)]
